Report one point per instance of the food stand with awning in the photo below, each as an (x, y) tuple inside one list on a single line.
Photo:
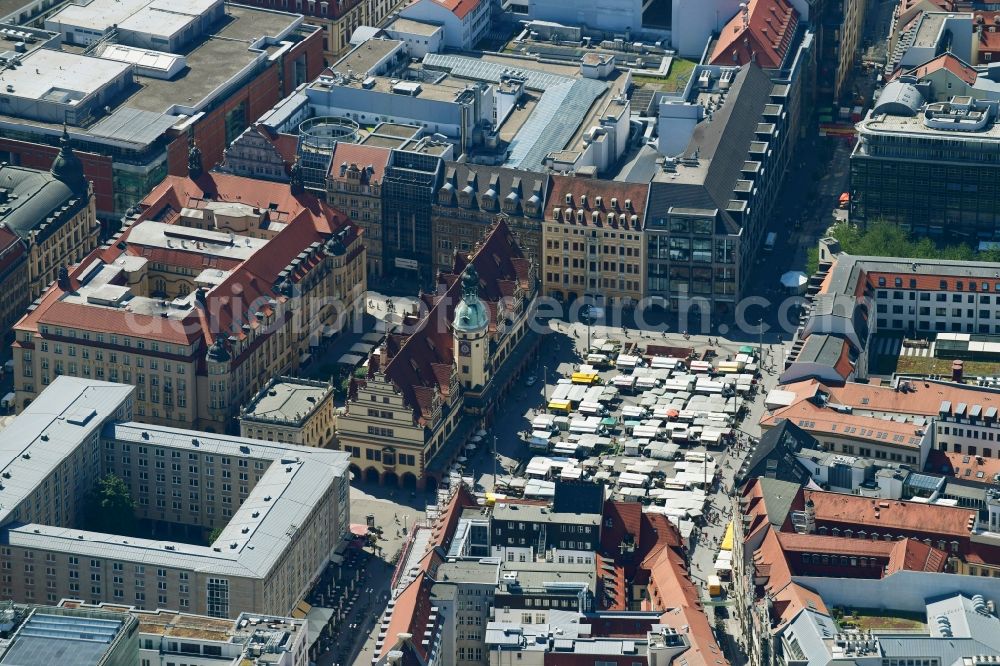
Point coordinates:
[(350, 359), (727, 540)]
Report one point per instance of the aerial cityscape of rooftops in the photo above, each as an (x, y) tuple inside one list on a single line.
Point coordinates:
[(493, 332)]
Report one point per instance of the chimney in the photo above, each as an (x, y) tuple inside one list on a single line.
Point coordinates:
[(957, 370)]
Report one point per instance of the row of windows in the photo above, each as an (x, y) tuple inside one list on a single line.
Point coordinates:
[(841, 560), (113, 358), (112, 339), (954, 327), (958, 285), (875, 536)]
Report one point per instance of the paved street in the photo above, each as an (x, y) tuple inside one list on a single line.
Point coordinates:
[(394, 510)]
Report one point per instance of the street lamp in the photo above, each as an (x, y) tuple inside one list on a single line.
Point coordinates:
[(760, 340)]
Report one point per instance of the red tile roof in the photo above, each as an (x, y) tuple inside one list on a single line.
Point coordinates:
[(970, 468), (913, 555), (947, 61), (671, 591), (591, 188), (921, 397), (903, 554), (621, 521), (459, 8), (981, 553), (789, 597), (649, 532), (444, 529), (890, 515), (613, 593), (762, 33), (362, 156), (308, 220), (610, 625), (989, 38), (11, 248), (410, 614), (85, 317), (420, 365), (820, 421), (794, 542), (285, 144)]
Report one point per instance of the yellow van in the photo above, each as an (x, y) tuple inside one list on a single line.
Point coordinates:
[(587, 378)]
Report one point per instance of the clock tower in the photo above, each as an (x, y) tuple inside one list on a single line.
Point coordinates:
[(471, 329)]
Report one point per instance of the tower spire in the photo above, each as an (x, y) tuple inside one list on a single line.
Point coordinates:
[(67, 167)]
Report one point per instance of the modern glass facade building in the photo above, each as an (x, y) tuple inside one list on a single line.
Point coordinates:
[(933, 169)]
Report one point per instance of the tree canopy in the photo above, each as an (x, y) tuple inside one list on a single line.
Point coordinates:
[(883, 239), (110, 508)]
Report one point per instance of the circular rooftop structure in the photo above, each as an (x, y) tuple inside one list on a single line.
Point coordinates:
[(322, 133)]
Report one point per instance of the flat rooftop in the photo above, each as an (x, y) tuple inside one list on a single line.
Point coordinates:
[(287, 400), (365, 56), (414, 27), (379, 141), (396, 130), (534, 576), (190, 239), (181, 625), (98, 14), (214, 61), (67, 415), (292, 484), (542, 514), (929, 29), (914, 126), (64, 74), (469, 571), (246, 35), (8, 7), (446, 90)]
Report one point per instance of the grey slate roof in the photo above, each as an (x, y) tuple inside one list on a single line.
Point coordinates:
[(38, 195), (523, 184), (721, 146), (822, 349), (133, 126), (773, 456), (778, 497)]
